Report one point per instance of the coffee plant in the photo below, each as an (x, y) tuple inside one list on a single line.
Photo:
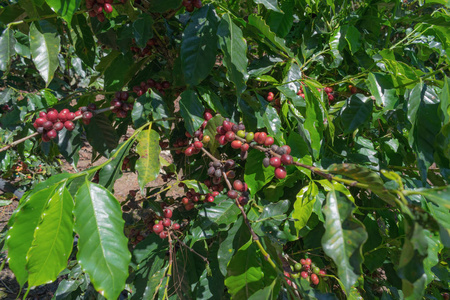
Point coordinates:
[(310, 144)]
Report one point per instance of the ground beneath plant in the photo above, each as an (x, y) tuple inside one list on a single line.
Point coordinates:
[(9, 288)]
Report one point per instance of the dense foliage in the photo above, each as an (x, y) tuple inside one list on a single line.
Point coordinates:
[(355, 205)]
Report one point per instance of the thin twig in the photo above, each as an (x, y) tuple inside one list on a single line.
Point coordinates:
[(189, 248)]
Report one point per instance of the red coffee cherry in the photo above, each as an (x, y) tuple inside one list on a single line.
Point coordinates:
[(42, 114), (314, 279), (304, 274), (176, 226), (69, 125), (87, 115), (269, 141), (52, 134), (166, 222), (286, 159), (230, 136), (168, 213), (58, 126), (48, 125), (40, 122), (236, 144), (157, 228), (261, 138), (328, 89), (275, 161), (52, 116), (238, 185), (189, 151), (245, 147), (198, 145), (280, 172), (207, 116), (232, 194), (308, 261), (287, 149), (322, 273), (222, 140), (330, 97), (270, 97), (163, 234), (227, 125)]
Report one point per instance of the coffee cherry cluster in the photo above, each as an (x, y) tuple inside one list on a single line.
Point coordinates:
[(98, 8), (193, 197), (49, 123), (279, 162), (327, 90), (163, 227), (121, 106), (239, 186), (145, 86), (308, 270), (216, 170), (196, 146), (191, 4), (146, 51)]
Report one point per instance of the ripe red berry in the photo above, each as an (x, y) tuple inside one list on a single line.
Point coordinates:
[(232, 194), (314, 279), (185, 200), (287, 149), (45, 137), (322, 273), (189, 151), (69, 125), (303, 261), (222, 140), (43, 114), (166, 222), (197, 3), (330, 97), (210, 199), (328, 89), (275, 161), (236, 144), (87, 115), (261, 138), (308, 261), (227, 125), (269, 141), (168, 213), (176, 226), (58, 126), (304, 274), (78, 113), (52, 134), (52, 116), (198, 145), (157, 228), (215, 193), (230, 136), (286, 159), (47, 125), (163, 234), (280, 172), (238, 185), (245, 147), (40, 122)]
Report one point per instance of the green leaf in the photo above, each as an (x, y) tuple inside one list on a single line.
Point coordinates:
[(281, 23), (256, 176), (45, 48), (21, 234), (116, 72), (84, 41), (269, 4), (264, 29), (423, 105), (214, 217), (7, 44), (304, 204), (150, 104), (53, 239), (353, 38), (343, 239), (246, 273), (104, 64), (356, 112), (113, 170), (199, 45), (440, 196), (382, 88), (148, 164), (237, 236), (313, 123), (102, 246), (142, 29), (101, 135), (191, 109), (64, 8), (234, 48), (444, 106)]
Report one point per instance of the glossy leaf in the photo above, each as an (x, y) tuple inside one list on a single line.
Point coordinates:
[(199, 45), (440, 196), (246, 275), (113, 170), (45, 48), (148, 164), (356, 112), (101, 135), (142, 30), (281, 23), (343, 239), (21, 234), (64, 8), (84, 41), (269, 4), (53, 239), (382, 89), (7, 44), (304, 204), (191, 109), (256, 176), (234, 48), (102, 246)]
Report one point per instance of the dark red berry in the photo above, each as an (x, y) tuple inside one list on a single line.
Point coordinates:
[(168, 213), (58, 126), (87, 115), (198, 145), (238, 185), (280, 172), (52, 134), (275, 161), (227, 125), (270, 97), (40, 122), (286, 149), (166, 222), (52, 116), (176, 226), (47, 125), (269, 141), (286, 159), (157, 228), (232, 194), (189, 151), (266, 162), (163, 234)]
